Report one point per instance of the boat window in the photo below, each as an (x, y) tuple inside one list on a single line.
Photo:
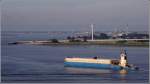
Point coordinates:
[(95, 57), (115, 62)]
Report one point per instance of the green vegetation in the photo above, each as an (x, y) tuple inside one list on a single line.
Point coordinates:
[(54, 40), (102, 36), (113, 43), (84, 39), (121, 42)]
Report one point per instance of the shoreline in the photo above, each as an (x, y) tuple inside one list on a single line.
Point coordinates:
[(89, 42)]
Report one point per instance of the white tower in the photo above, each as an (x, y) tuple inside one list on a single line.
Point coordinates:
[(92, 28), (123, 59)]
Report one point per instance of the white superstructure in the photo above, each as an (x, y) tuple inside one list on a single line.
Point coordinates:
[(123, 59)]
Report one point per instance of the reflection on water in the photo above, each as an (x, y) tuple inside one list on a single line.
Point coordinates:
[(123, 72), (105, 73), (74, 70)]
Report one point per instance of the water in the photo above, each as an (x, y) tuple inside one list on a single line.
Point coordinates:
[(37, 63)]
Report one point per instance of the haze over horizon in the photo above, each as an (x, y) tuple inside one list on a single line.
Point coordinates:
[(54, 15)]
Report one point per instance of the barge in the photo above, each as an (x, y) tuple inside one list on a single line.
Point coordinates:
[(99, 63)]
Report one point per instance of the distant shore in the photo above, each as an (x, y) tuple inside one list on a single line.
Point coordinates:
[(115, 42)]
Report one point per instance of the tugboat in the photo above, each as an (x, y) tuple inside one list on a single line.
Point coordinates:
[(99, 63)]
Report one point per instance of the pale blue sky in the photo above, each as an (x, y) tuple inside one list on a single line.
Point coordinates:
[(70, 14)]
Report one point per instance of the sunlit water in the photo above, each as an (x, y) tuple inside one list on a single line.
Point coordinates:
[(32, 63)]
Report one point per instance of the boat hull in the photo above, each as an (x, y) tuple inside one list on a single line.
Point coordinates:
[(92, 65)]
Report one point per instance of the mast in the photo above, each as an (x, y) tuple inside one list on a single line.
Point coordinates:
[(127, 29)]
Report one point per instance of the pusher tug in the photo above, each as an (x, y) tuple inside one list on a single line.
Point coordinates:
[(98, 63)]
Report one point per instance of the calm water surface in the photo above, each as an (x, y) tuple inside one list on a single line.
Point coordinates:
[(32, 63)]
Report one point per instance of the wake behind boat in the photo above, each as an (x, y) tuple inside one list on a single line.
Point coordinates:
[(99, 63)]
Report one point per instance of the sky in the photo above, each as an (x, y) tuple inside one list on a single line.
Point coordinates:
[(51, 15)]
